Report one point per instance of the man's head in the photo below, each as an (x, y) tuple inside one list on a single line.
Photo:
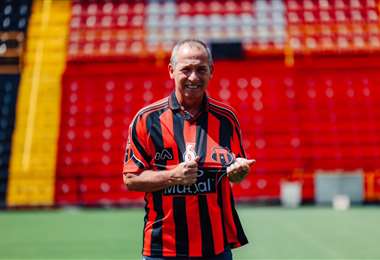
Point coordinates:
[(191, 67)]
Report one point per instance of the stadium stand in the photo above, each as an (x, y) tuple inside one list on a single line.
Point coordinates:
[(318, 112), (96, 112), (325, 26), (32, 167), (13, 23), (306, 90)]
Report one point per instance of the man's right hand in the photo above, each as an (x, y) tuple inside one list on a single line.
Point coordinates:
[(185, 173)]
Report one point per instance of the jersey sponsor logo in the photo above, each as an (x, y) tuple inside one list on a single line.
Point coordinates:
[(206, 183), (222, 156), (189, 154), (164, 155)]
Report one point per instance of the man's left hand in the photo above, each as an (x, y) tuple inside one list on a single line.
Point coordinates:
[(237, 171)]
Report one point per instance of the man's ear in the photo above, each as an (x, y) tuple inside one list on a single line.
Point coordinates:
[(211, 70), (171, 70)]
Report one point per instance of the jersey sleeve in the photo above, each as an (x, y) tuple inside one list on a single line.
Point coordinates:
[(137, 152)]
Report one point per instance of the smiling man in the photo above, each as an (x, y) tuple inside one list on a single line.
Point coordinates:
[(183, 151)]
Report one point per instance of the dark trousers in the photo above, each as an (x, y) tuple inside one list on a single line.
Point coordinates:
[(226, 255)]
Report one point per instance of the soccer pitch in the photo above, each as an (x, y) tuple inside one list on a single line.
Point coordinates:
[(274, 233)]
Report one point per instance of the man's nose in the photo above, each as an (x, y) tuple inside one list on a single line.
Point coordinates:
[(193, 75)]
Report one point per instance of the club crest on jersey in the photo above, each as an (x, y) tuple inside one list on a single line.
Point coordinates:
[(189, 154), (222, 156)]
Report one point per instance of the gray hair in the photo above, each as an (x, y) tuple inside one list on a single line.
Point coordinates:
[(173, 57)]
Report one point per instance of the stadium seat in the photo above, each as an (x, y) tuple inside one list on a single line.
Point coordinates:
[(8, 97), (14, 15), (13, 22)]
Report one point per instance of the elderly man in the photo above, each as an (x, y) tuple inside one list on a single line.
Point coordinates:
[(183, 151)]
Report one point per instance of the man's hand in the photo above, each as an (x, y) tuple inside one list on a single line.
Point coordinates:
[(237, 171), (185, 173)]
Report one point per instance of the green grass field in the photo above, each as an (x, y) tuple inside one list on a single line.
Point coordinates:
[(274, 233)]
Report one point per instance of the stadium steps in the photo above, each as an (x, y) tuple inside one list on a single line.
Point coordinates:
[(32, 167)]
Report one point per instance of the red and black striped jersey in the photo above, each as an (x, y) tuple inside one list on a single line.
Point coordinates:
[(193, 220)]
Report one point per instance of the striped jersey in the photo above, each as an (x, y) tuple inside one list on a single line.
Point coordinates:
[(197, 220)]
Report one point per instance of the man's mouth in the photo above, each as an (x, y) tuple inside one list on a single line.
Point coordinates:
[(193, 86)]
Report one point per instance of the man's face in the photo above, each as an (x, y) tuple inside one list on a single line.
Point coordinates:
[(191, 73)]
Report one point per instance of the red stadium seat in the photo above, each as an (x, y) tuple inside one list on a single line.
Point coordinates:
[(319, 114)]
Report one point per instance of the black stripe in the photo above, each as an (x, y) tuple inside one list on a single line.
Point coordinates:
[(136, 141), (181, 231), (154, 106), (156, 240), (240, 143), (145, 220), (220, 204), (226, 111), (178, 135), (239, 229), (153, 127), (219, 112), (204, 217), (225, 130), (138, 117), (179, 203), (137, 162), (205, 221), (201, 138), (225, 134)]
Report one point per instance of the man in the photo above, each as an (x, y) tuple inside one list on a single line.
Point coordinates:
[(183, 151)]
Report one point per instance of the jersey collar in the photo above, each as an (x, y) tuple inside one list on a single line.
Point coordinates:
[(176, 107)]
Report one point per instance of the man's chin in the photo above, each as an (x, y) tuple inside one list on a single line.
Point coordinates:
[(195, 93)]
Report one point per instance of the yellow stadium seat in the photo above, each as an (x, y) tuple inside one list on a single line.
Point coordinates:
[(37, 124)]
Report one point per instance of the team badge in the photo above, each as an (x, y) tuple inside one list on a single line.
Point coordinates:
[(190, 153), (222, 156)]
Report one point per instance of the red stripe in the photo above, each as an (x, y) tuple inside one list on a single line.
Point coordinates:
[(194, 226), (229, 223), (227, 110), (192, 206), (213, 131), (141, 135), (216, 222), (227, 114), (237, 142), (212, 199), (148, 226), (152, 215), (190, 132), (168, 226), (154, 106)]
